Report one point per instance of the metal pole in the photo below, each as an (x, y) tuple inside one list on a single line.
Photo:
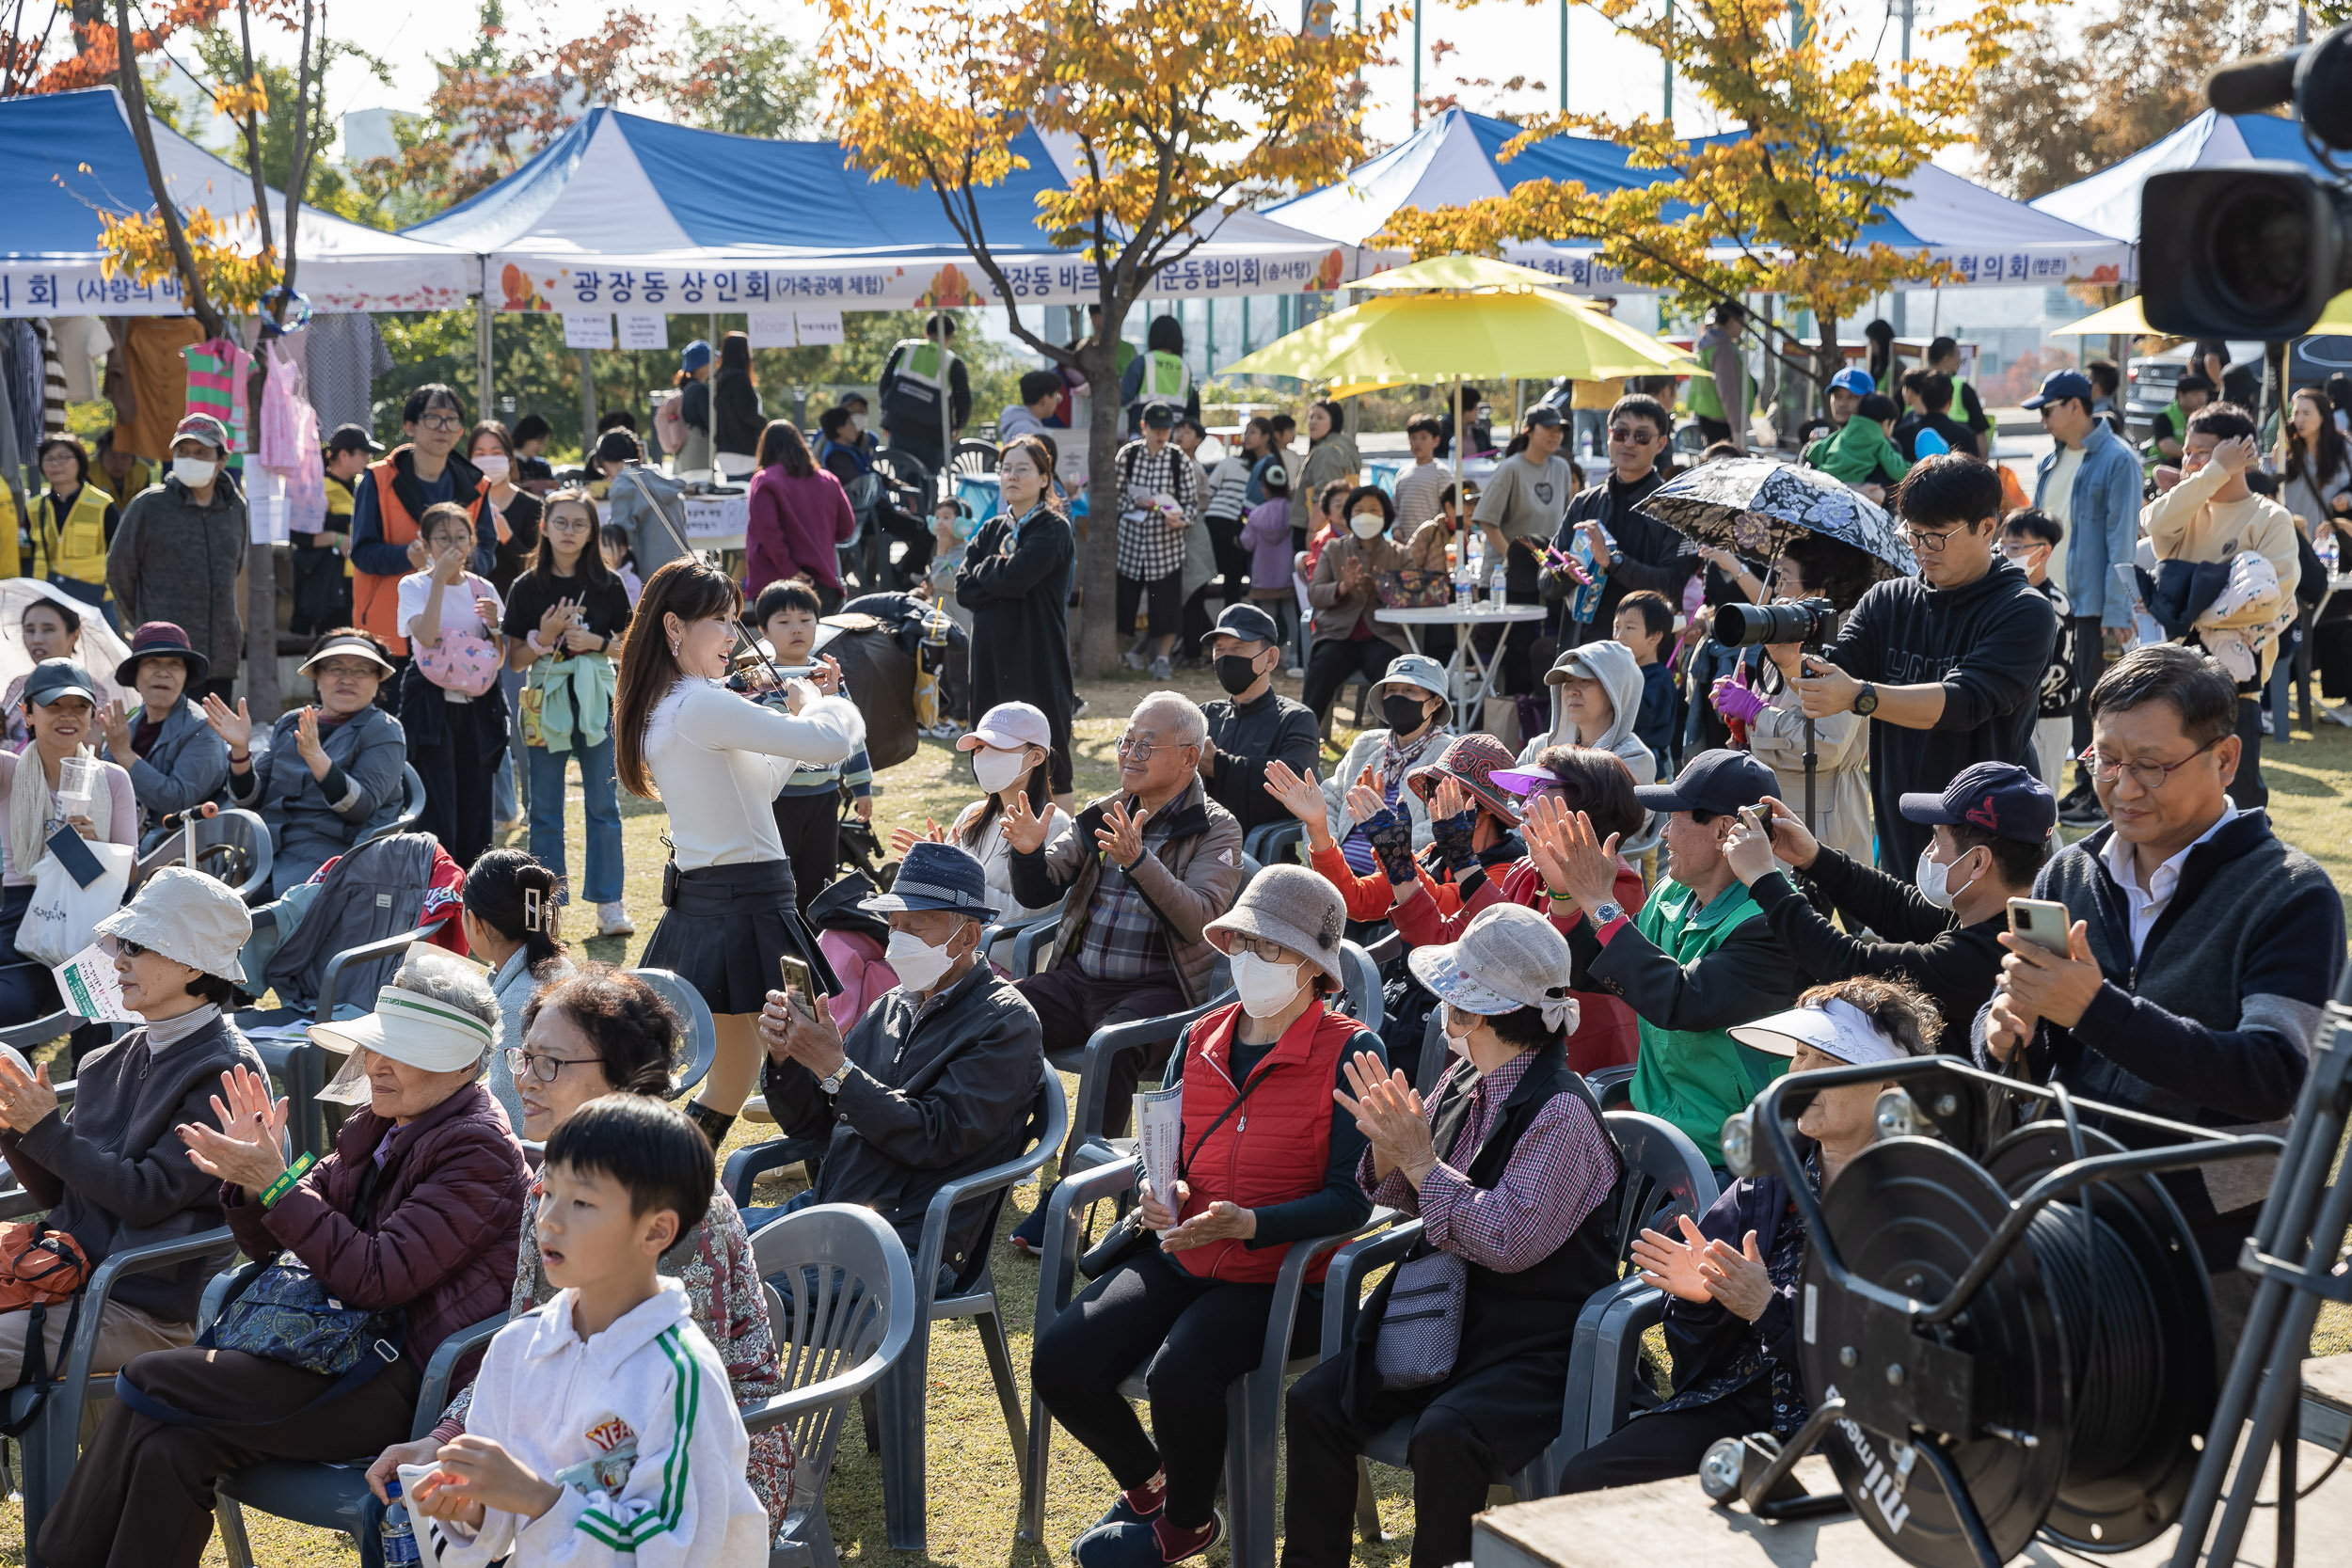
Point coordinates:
[(1564, 57), (587, 407), (1669, 61), (482, 370), (1417, 64), (1910, 11)]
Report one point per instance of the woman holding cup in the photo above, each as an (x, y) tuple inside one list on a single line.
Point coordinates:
[(56, 782)]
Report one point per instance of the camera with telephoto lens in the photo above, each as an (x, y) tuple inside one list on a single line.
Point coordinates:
[(1808, 621), (2256, 249)]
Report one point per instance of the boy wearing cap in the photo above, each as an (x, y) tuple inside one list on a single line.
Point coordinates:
[(114, 1172), (934, 1083), (1252, 724), (180, 549), (1698, 959), (1939, 932)]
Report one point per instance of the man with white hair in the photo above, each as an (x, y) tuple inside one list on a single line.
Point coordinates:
[(1138, 874)]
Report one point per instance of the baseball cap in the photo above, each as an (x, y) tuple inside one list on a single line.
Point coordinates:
[(1718, 781), (1159, 415), (352, 437), (204, 428), (1543, 413), (1835, 1028), (1417, 670), (1243, 620), (52, 678), (1009, 727), (2059, 385), (1999, 797), (1854, 379)]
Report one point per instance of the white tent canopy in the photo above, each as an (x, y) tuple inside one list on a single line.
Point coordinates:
[(2108, 202)]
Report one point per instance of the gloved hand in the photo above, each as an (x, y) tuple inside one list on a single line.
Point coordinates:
[(1452, 835), (1736, 702), (1390, 835)]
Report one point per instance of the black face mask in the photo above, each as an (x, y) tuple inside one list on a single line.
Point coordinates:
[(1405, 714), (1236, 672)]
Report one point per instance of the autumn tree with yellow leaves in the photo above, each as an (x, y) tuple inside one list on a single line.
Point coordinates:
[(1175, 113), (1828, 138)]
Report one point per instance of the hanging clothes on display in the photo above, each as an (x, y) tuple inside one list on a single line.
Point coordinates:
[(218, 371), (82, 342), (158, 379), (290, 442), (52, 380), (342, 356), (24, 373)]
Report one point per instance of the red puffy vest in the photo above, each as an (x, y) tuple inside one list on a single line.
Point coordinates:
[(1276, 1147)]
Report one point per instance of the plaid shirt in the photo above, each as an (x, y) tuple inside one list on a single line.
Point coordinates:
[(1124, 940), (1559, 1173), (1149, 550)]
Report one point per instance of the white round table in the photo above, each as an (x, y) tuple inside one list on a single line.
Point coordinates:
[(1469, 675)]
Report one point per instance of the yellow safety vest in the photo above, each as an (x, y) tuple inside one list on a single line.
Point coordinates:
[(79, 551), (1165, 379)]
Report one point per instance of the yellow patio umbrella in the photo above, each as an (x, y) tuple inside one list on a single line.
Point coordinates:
[(2128, 320)]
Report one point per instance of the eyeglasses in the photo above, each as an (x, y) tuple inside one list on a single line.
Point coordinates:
[(523, 1063), (124, 947), (2148, 775), (2022, 552), (1263, 947), (447, 423), (1633, 436), (1139, 750), (1925, 543)]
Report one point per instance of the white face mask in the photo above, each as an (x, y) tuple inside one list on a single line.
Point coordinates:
[(916, 962), (1367, 525), (493, 465), (194, 473), (1266, 988), (995, 769), (857, 422), (1934, 880), (1458, 1044)]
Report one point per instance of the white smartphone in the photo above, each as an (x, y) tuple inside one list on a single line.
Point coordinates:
[(2042, 921)]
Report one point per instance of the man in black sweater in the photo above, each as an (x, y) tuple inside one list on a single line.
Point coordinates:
[(1948, 663), (1631, 548), (1251, 725), (1991, 829), (2201, 955)]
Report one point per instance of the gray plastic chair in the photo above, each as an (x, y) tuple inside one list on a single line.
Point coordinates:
[(52, 1442), (1272, 843), (232, 846), (1253, 1403), (835, 1344), (1665, 1175), (702, 1033), (896, 1415), (1092, 1062), (1364, 999), (411, 808), (1023, 940)]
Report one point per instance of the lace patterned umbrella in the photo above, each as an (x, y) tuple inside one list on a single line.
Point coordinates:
[(1755, 506)]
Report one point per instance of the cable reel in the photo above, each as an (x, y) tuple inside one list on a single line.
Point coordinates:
[(1985, 1365)]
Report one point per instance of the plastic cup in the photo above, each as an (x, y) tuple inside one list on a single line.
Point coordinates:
[(78, 780)]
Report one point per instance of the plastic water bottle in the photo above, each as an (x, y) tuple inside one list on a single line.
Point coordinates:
[(1497, 586), (398, 1535), (1466, 576)]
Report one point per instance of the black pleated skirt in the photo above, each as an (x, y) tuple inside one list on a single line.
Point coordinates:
[(725, 929)]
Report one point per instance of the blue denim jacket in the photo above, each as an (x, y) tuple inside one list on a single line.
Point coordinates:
[(2102, 528)]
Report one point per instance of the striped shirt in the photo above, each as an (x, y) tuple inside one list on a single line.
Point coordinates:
[(1417, 492), (1563, 1167)]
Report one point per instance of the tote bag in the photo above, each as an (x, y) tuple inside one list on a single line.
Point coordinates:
[(63, 916)]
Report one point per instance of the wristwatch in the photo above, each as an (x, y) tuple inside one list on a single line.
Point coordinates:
[(1606, 914), (832, 1083), (1866, 699)]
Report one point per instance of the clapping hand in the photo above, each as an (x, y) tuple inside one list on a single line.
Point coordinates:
[(235, 728), (1298, 793), (1388, 1112), (24, 1103), (307, 742), (1024, 831), (1597, 542), (115, 719), (1585, 863), (1697, 1269), (903, 839), (247, 1147), (1737, 1277), (1221, 1221), (1120, 836), (1352, 577), (1367, 798)]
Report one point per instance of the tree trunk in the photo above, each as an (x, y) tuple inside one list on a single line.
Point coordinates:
[(1099, 638), (1829, 361), (135, 100)]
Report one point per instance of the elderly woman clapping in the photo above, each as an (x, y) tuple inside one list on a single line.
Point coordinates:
[(414, 1216), (114, 1172), (1510, 1168)]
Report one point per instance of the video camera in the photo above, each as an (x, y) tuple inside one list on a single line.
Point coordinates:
[(2256, 249), (1808, 621)]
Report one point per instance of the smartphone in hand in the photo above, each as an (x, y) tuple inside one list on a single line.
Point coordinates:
[(2043, 922)]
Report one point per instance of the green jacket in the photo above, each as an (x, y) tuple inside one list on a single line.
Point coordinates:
[(1689, 974), (1858, 452), (564, 695)]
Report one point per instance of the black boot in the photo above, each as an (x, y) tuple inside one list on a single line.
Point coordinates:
[(715, 1124)]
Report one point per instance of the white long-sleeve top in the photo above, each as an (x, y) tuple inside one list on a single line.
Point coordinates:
[(719, 759), (637, 1426)]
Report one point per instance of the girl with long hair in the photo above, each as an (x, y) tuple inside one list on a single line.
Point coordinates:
[(565, 620), (514, 923), (716, 759), (2315, 465), (737, 416)]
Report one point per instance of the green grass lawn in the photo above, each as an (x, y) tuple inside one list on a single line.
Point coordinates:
[(974, 1484)]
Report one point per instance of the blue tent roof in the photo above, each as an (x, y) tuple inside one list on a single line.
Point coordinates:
[(2108, 202)]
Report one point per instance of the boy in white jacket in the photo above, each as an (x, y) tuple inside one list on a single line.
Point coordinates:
[(602, 1429)]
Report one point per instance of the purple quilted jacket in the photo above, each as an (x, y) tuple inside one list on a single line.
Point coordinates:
[(441, 1238)]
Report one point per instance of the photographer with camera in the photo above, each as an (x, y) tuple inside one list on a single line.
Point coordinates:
[(1816, 578), (1991, 828), (1948, 663)]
